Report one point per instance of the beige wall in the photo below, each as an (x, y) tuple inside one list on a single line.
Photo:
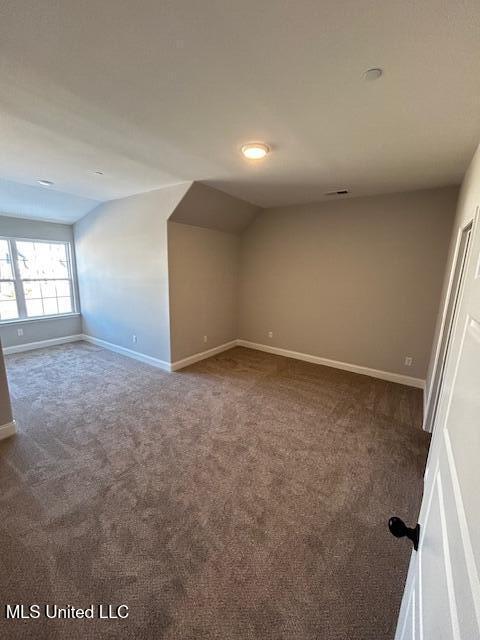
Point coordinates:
[(355, 280), (123, 271), (468, 201), (210, 208), (203, 282)]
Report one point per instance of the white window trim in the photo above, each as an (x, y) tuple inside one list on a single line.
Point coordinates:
[(17, 280)]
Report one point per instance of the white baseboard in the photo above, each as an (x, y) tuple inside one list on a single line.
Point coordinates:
[(203, 355), (130, 353), (345, 366), (156, 362), (29, 346), (185, 362), (7, 430)]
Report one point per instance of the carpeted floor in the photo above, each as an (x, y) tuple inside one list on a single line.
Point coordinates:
[(245, 497)]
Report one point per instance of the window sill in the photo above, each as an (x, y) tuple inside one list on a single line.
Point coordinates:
[(39, 318)]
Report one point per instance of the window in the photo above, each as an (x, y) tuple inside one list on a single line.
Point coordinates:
[(8, 298), (35, 279)]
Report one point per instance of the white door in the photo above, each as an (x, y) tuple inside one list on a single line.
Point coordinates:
[(442, 594)]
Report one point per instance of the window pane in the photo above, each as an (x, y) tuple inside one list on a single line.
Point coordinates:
[(32, 289), (8, 302), (8, 310), (50, 306), (34, 308), (64, 305), (47, 297), (42, 259), (6, 271), (48, 289), (63, 288), (7, 291)]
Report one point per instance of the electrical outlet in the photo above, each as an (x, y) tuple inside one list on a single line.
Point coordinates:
[(408, 361), (134, 339), (205, 338), (19, 332), (270, 334)]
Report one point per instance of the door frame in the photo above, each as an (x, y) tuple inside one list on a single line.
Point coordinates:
[(447, 324), (410, 621)]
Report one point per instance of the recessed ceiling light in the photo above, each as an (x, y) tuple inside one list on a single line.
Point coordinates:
[(45, 183), (97, 173), (255, 150), (373, 74), (339, 192)]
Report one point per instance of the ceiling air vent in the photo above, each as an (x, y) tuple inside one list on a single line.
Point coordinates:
[(340, 192)]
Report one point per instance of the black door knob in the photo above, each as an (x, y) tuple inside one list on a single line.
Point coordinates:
[(400, 530)]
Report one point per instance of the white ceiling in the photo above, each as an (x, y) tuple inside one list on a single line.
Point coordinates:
[(154, 93)]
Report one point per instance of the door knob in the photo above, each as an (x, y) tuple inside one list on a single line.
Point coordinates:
[(400, 530)]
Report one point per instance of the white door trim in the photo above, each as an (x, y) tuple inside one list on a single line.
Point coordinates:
[(7, 430)]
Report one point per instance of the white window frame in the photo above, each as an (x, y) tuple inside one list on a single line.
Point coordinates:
[(18, 281)]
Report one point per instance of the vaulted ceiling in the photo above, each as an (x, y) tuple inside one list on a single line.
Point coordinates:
[(154, 93)]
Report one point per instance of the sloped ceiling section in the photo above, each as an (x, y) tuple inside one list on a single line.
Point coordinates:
[(40, 203), (204, 206)]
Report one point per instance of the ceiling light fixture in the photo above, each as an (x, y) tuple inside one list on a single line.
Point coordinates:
[(373, 74), (45, 183), (97, 173), (255, 150)]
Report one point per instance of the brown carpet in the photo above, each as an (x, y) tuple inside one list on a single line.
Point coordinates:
[(245, 497)]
